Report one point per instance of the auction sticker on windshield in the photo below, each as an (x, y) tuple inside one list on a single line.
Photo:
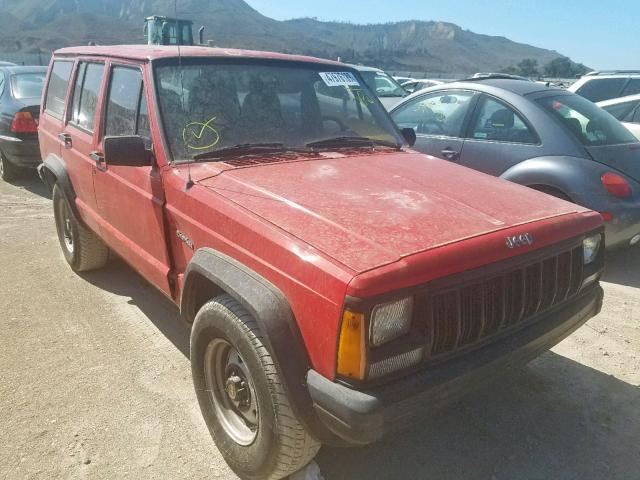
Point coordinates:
[(338, 79)]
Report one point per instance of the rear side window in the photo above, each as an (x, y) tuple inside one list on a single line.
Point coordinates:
[(85, 95), (57, 88), (590, 124), (498, 122), (632, 88), (601, 89)]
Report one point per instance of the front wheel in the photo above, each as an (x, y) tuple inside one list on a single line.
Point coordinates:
[(241, 395)]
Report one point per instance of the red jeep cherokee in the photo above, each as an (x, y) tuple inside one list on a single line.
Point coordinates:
[(339, 284)]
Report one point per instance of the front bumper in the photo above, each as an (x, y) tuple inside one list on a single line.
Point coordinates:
[(624, 226), (22, 152), (362, 417)]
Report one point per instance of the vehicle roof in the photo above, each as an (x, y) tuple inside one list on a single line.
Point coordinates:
[(610, 75), (615, 101), (519, 87), (12, 70), (153, 52)]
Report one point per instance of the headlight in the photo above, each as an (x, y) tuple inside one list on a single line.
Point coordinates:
[(591, 247), (390, 321)]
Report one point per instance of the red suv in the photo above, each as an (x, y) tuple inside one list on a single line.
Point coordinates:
[(339, 284)]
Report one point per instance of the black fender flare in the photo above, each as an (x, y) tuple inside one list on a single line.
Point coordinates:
[(271, 310), (53, 170)]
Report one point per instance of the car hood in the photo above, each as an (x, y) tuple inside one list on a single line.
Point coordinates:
[(389, 102), (624, 158), (369, 210)]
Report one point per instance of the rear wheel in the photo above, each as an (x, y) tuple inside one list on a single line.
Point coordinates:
[(83, 249), (8, 171), (241, 395)]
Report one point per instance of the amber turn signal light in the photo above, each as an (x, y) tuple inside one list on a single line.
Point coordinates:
[(351, 348)]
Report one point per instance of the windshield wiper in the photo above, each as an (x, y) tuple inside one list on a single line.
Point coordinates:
[(351, 141), (243, 148)]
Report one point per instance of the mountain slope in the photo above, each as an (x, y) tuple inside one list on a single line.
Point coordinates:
[(43, 25)]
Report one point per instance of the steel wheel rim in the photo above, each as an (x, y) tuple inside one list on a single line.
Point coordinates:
[(231, 391), (66, 228)]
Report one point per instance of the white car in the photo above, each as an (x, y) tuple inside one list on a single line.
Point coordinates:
[(402, 80), (605, 85), (385, 87), (416, 85), (625, 109)]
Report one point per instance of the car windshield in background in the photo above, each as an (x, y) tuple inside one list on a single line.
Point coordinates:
[(383, 84), (210, 107), (27, 85), (588, 122)]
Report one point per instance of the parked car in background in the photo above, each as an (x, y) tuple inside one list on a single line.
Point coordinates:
[(7, 64), (605, 85), (625, 109), (385, 87), (498, 76), (546, 138), (402, 80), (20, 92), (415, 85), (339, 284)]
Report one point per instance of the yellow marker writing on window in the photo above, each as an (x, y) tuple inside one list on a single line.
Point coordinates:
[(200, 136)]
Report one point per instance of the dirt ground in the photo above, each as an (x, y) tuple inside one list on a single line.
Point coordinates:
[(95, 383)]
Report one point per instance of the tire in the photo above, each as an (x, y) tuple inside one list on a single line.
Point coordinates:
[(269, 443), (8, 171), (82, 249)]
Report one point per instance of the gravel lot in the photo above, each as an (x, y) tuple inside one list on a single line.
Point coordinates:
[(95, 383)]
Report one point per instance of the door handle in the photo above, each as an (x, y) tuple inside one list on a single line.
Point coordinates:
[(99, 159), (66, 139), (450, 154)]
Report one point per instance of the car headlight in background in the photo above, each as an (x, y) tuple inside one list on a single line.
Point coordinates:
[(390, 321), (591, 247)]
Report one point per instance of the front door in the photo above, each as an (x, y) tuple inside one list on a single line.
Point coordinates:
[(438, 119), (131, 199)]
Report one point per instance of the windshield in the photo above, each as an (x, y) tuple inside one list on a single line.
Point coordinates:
[(383, 84), (27, 85), (207, 107), (589, 123)]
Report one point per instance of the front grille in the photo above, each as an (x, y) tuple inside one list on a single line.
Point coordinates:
[(466, 314)]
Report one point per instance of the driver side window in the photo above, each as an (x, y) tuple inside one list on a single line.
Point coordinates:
[(438, 113)]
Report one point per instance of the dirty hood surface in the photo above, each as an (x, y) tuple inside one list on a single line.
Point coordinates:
[(368, 210)]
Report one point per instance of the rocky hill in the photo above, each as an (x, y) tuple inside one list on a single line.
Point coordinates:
[(44, 25)]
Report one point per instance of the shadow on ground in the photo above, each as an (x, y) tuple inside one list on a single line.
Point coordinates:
[(118, 278), (555, 419), (30, 181), (623, 267)]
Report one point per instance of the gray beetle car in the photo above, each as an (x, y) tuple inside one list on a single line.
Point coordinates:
[(545, 138)]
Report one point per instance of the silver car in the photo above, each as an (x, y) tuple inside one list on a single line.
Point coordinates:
[(546, 138)]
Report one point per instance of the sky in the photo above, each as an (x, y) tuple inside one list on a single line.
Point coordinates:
[(600, 34)]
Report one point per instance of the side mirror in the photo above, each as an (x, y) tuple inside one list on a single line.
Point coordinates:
[(126, 151), (409, 135)]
